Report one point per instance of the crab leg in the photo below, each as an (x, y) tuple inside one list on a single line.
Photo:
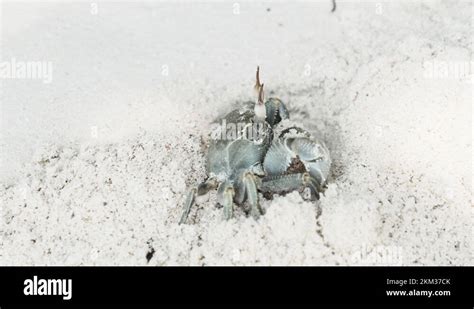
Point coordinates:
[(228, 197), (290, 182), (252, 195), (200, 189)]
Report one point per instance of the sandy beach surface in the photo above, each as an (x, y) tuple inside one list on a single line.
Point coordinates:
[(96, 158)]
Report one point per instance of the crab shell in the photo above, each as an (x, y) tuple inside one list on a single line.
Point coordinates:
[(229, 159)]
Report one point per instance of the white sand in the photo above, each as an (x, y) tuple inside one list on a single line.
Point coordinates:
[(95, 164)]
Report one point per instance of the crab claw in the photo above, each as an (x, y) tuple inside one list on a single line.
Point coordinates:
[(296, 152)]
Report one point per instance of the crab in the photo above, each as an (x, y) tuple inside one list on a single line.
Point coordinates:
[(260, 155)]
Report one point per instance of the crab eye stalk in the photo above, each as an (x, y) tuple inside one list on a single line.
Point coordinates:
[(260, 95), (259, 109), (257, 81)]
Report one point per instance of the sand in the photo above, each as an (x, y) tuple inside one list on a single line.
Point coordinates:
[(95, 164)]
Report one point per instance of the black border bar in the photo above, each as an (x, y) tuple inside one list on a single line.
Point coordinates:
[(242, 285)]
